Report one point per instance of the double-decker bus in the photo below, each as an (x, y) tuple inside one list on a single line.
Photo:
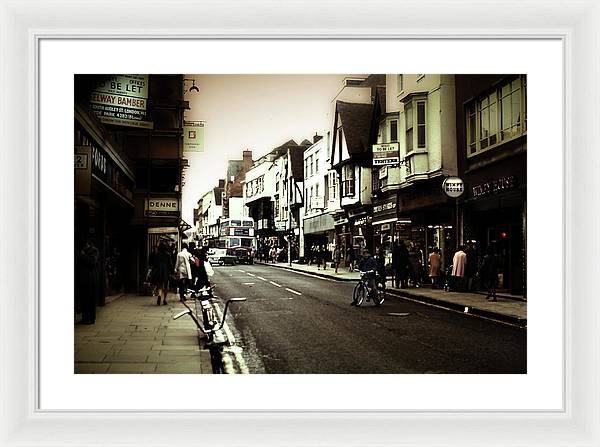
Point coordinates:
[(236, 234)]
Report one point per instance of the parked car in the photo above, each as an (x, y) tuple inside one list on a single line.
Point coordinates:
[(221, 256), (244, 255)]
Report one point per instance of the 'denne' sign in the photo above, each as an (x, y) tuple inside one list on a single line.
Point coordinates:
[(162, 207), (453, 187)]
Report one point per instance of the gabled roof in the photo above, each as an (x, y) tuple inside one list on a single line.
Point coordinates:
[(356, 123)]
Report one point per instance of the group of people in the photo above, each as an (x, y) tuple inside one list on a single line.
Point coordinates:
[(408, 263), (465, 270), (191, 270)]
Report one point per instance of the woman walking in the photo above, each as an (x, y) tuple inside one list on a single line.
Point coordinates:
[(434, 266), (164, 266)]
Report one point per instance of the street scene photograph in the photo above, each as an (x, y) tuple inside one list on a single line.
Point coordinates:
[(300, 224)]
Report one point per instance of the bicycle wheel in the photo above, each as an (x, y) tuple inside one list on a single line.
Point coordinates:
[(359, 294), (379, 297)]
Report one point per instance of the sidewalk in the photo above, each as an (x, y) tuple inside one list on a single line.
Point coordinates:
[(509, 308), (133, 335)]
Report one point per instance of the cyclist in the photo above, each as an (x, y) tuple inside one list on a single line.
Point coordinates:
[(368, 264)]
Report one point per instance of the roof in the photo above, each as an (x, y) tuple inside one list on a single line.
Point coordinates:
[(356, 123)]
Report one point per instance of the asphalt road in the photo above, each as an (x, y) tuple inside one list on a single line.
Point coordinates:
[(298, 323)]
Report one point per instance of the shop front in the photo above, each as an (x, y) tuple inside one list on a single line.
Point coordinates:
[(426, 219), (384, 225), (319, 231), (494, 211)]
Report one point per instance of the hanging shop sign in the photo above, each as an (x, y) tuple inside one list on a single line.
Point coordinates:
[(106, 170), (453, 187), (360, 221), (494, 186), (162, 207), (193, 136), (383, 172), (121, 100), (280, 225), (340, 219), (386, 154)]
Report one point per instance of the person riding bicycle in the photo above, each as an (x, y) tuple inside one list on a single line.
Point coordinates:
[(368, 264)]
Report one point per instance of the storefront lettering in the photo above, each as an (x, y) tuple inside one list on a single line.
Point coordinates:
[(386, 206), (494, 186), (99, 160)]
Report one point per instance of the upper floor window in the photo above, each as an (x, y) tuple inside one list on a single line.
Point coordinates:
[(497, 116), (311, 164), (400, 82), (348, 180), (415, 119), (333, 185), (317, 162), (393, 131)]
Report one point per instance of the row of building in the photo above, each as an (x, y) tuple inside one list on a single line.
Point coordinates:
[(374, 177), (129, 171)]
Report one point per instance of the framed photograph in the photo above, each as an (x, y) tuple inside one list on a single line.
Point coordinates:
[(526, 77)]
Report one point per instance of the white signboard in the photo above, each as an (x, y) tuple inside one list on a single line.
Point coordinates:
[(121, 100), (386, 154), (162, 207), (280, 225), (193, 136), (317, 202), (453, 187)]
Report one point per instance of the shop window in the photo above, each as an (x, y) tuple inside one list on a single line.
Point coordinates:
[(497, 116)]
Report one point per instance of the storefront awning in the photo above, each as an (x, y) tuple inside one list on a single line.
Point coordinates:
[(318, 224)]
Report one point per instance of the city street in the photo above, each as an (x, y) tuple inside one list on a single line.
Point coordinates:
[(297, 323)]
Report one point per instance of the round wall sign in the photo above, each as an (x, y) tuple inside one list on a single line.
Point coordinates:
[(453, 187)]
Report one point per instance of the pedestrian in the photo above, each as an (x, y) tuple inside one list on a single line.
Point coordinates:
[(89, 258), (350, 258), (324, 255), (195, 265), (458, 267), (471, 265), (400, 264), (488, 273), (319, 256), (435, 261), (163, 266), (414, 265), (273, 254), (183, 271), (380, 259), (337, 257)]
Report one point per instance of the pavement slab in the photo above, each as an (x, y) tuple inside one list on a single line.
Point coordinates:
[(132, 335)]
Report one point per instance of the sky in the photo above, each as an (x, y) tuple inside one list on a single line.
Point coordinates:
[(251, 112)]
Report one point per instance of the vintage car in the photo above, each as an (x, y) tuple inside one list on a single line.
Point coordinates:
[(221, 256)]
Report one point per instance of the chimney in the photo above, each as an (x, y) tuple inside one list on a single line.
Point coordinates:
[(222, 183), (247, 157), (317, 137)]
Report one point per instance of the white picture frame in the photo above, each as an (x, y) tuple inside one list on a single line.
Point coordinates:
[(23, 24)]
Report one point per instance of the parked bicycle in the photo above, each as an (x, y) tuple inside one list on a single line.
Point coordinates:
[(211, 324), (363, 289)]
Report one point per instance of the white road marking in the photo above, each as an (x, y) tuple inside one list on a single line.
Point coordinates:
[(275, 284), (312, 276), (243, 271), (293, 291), (251, 274), (260, 277), (248, 283), (237, 353)]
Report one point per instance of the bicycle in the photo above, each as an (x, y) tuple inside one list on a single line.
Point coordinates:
[(363, 290), (210, 322)]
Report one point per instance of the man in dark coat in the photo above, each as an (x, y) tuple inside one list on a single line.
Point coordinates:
[(488, 272), (471, 265), (400, 264)]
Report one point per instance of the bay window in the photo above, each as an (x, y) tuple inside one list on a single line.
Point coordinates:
[(496, 116), (348, 180), (415, 117)]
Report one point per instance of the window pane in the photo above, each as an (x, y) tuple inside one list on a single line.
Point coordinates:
[(408, 115), (421, 136), (394, 130), (506, 113), (409, 140), (420, 113), (493, 118), (485, 123), (516, 109)]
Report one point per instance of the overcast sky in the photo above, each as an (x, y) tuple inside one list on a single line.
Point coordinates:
[(256, 112)]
